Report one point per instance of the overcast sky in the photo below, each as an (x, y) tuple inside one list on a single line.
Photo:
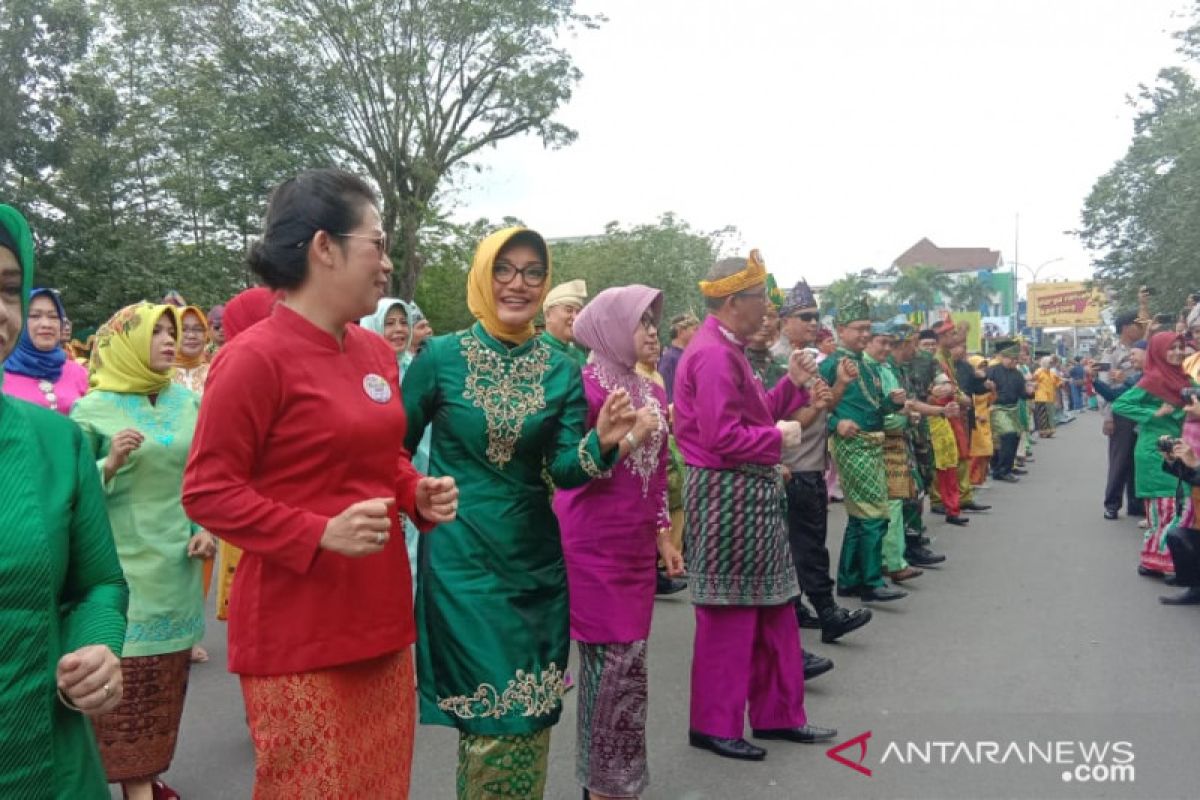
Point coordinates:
[(835, 134)]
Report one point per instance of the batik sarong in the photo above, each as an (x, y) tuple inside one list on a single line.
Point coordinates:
[(735, 535), (610, 738), (900, 483), (137, 738), (864, 479), (345, 731), (495, 767), (1043, 417)]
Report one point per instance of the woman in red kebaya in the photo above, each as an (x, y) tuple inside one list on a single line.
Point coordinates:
[(298, 460)]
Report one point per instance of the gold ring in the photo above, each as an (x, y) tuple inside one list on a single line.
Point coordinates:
[(107, 692)]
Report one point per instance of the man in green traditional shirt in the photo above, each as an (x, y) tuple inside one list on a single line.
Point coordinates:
[(857, 421), (560, 307)]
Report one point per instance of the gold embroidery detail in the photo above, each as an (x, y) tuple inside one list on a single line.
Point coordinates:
[(590, 467), (525, 694), (507, 388)]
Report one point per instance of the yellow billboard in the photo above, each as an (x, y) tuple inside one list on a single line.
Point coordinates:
[(1066, 304)]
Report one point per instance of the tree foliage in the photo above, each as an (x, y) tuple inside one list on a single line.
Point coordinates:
[(1139, 219), (141, 137), (920, 287), (970, 294), (841, 291)]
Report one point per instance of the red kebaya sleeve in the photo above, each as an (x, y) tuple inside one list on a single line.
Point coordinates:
[(242, 398)]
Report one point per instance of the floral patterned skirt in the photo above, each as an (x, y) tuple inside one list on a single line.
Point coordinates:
[(610, 740)]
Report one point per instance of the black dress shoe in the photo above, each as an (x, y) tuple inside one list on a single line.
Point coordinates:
[(1111, 514), (667, 585), (815, 665), (806, 618), (922, 557), (959, 520), (936, 509), (884, 594), (975, 507), (1188, 597), (1146, 572), (849, 591), (1008, 478), (809, 734), (729, 748), (836, 622)]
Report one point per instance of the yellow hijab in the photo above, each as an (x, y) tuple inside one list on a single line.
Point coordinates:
[(480, 299), (182, 361), (121, 355)]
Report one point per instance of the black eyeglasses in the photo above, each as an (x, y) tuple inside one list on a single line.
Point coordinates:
[(533, 275)]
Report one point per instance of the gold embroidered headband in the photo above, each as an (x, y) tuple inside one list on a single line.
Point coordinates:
[(754, 274)]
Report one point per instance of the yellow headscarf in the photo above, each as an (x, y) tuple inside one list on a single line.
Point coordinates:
[(182, 361), (121, 355), (479, 287)]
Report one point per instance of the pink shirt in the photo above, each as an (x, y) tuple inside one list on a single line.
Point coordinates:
[(724, 418), (71, 385)]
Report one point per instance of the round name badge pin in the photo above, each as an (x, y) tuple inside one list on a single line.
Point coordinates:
[(377, 388)]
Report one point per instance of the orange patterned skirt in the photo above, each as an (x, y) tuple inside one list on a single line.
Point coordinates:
[(342, 732)]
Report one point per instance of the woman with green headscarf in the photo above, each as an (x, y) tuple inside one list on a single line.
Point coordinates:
[(62, 594), (506, 411), (140, 425)]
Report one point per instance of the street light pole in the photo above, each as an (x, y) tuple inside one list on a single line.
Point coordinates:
[(1034, 271)]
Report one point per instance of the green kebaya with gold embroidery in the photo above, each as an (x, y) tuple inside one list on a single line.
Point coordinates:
[(491, 610)]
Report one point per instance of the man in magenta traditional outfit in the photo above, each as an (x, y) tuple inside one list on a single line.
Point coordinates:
[(733, 432)]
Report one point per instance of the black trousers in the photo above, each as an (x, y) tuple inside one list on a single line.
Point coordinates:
[(1120, 468), (1006, 455), (807, 515), (1184, 544)]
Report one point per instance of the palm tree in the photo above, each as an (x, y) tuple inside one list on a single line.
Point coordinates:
[(850, 287), (971, 294), (919, 287)]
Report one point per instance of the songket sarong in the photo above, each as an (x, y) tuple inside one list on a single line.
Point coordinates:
[(864, 479), (493, 767), (1164, 514), (346, 731), (900, 483), (137, 738), (735, 535), (610, 738), (1005, 420), (1043, 417), (945, 445)]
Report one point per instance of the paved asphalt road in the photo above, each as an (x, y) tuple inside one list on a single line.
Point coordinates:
[(1037, 636)]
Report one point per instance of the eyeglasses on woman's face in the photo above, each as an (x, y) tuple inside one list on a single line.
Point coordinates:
[(532, 275), (380, 241)]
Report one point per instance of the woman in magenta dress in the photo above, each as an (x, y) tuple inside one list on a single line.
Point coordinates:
[(613, 529)]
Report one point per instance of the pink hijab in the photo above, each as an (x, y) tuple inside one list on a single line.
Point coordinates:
[(1164, 381), (607, 324)]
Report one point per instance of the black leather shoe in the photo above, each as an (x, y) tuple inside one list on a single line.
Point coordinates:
[(1146, 572), (806, 618), (975, 507), (935, 509), (666, 585), (836, 622), (959, 520), (1019, 471), (922, 557), (815, 665), (1188, 597), (884, 594), (809, 734), (1008, 478), (848, 591), (1111, 514), (729, 748)]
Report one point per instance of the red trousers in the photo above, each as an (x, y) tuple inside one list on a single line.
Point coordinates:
[(947, 480)]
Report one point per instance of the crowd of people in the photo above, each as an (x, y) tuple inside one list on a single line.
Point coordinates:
[(407, 526)]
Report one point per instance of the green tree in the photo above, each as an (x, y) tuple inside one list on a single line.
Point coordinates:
[(920, 287), (842, 290), (1139, 220), (970, 294)]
